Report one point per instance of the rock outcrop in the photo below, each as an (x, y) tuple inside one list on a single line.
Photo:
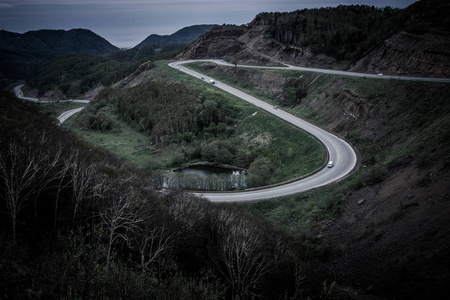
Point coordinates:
[(410, 54)]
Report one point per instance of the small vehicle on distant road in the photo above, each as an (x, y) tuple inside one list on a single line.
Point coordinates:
[(212, 81), (330, 164)]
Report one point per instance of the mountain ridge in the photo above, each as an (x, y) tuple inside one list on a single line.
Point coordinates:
[(21, 54), (185, 35), (58, 41)]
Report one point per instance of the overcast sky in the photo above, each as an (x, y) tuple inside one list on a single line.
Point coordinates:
[(125, 23)]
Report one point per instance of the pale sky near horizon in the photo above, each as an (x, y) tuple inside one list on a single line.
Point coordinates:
[(125, 23)]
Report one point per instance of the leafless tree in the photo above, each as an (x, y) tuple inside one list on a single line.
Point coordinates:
[(119, 218), (186, 210), (83, 180), (50, 154), (286, 256), (25, 168), (239, 256), (62, 182), (152, 241)]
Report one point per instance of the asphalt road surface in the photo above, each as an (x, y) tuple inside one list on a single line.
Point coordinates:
[(334, 72), (67, 114), (62, 117), (339, 151)]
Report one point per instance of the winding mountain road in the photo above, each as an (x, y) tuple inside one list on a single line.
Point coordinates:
[(62, 117), (332, 72), (339, 151)]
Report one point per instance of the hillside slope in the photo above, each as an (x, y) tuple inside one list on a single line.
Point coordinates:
[(382, 231), (421, 48), (412, 41)]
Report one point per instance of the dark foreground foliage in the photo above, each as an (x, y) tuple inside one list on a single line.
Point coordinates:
[(79, 223)]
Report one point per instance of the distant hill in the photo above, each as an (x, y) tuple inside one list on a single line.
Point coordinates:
[(163, 46), (185, 35), (57, 42), (20, 54)]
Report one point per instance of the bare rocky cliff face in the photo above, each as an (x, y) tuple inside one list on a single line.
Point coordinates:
[(248, 45)]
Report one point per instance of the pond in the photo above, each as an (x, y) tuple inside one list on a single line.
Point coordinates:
[(205, 178)]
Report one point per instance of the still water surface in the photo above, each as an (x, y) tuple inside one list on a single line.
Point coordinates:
[(206, 178)]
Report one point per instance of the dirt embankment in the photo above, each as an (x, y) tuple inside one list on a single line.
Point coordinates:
[(248, 45), (389, 238)]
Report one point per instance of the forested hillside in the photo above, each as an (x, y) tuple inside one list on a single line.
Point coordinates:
[(157, 46), (74, 75), (343, 32), (419, 49), (80, 223), (22, 53)]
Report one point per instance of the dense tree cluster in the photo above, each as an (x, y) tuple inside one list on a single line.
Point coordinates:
[(163, 110), (343, 32), (77, 74), (79, 223)]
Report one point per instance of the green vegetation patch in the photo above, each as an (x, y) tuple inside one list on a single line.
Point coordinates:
[(77, 74), (178, 120), (122, 140)]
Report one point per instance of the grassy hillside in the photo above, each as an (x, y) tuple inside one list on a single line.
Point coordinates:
[(181, 120)]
